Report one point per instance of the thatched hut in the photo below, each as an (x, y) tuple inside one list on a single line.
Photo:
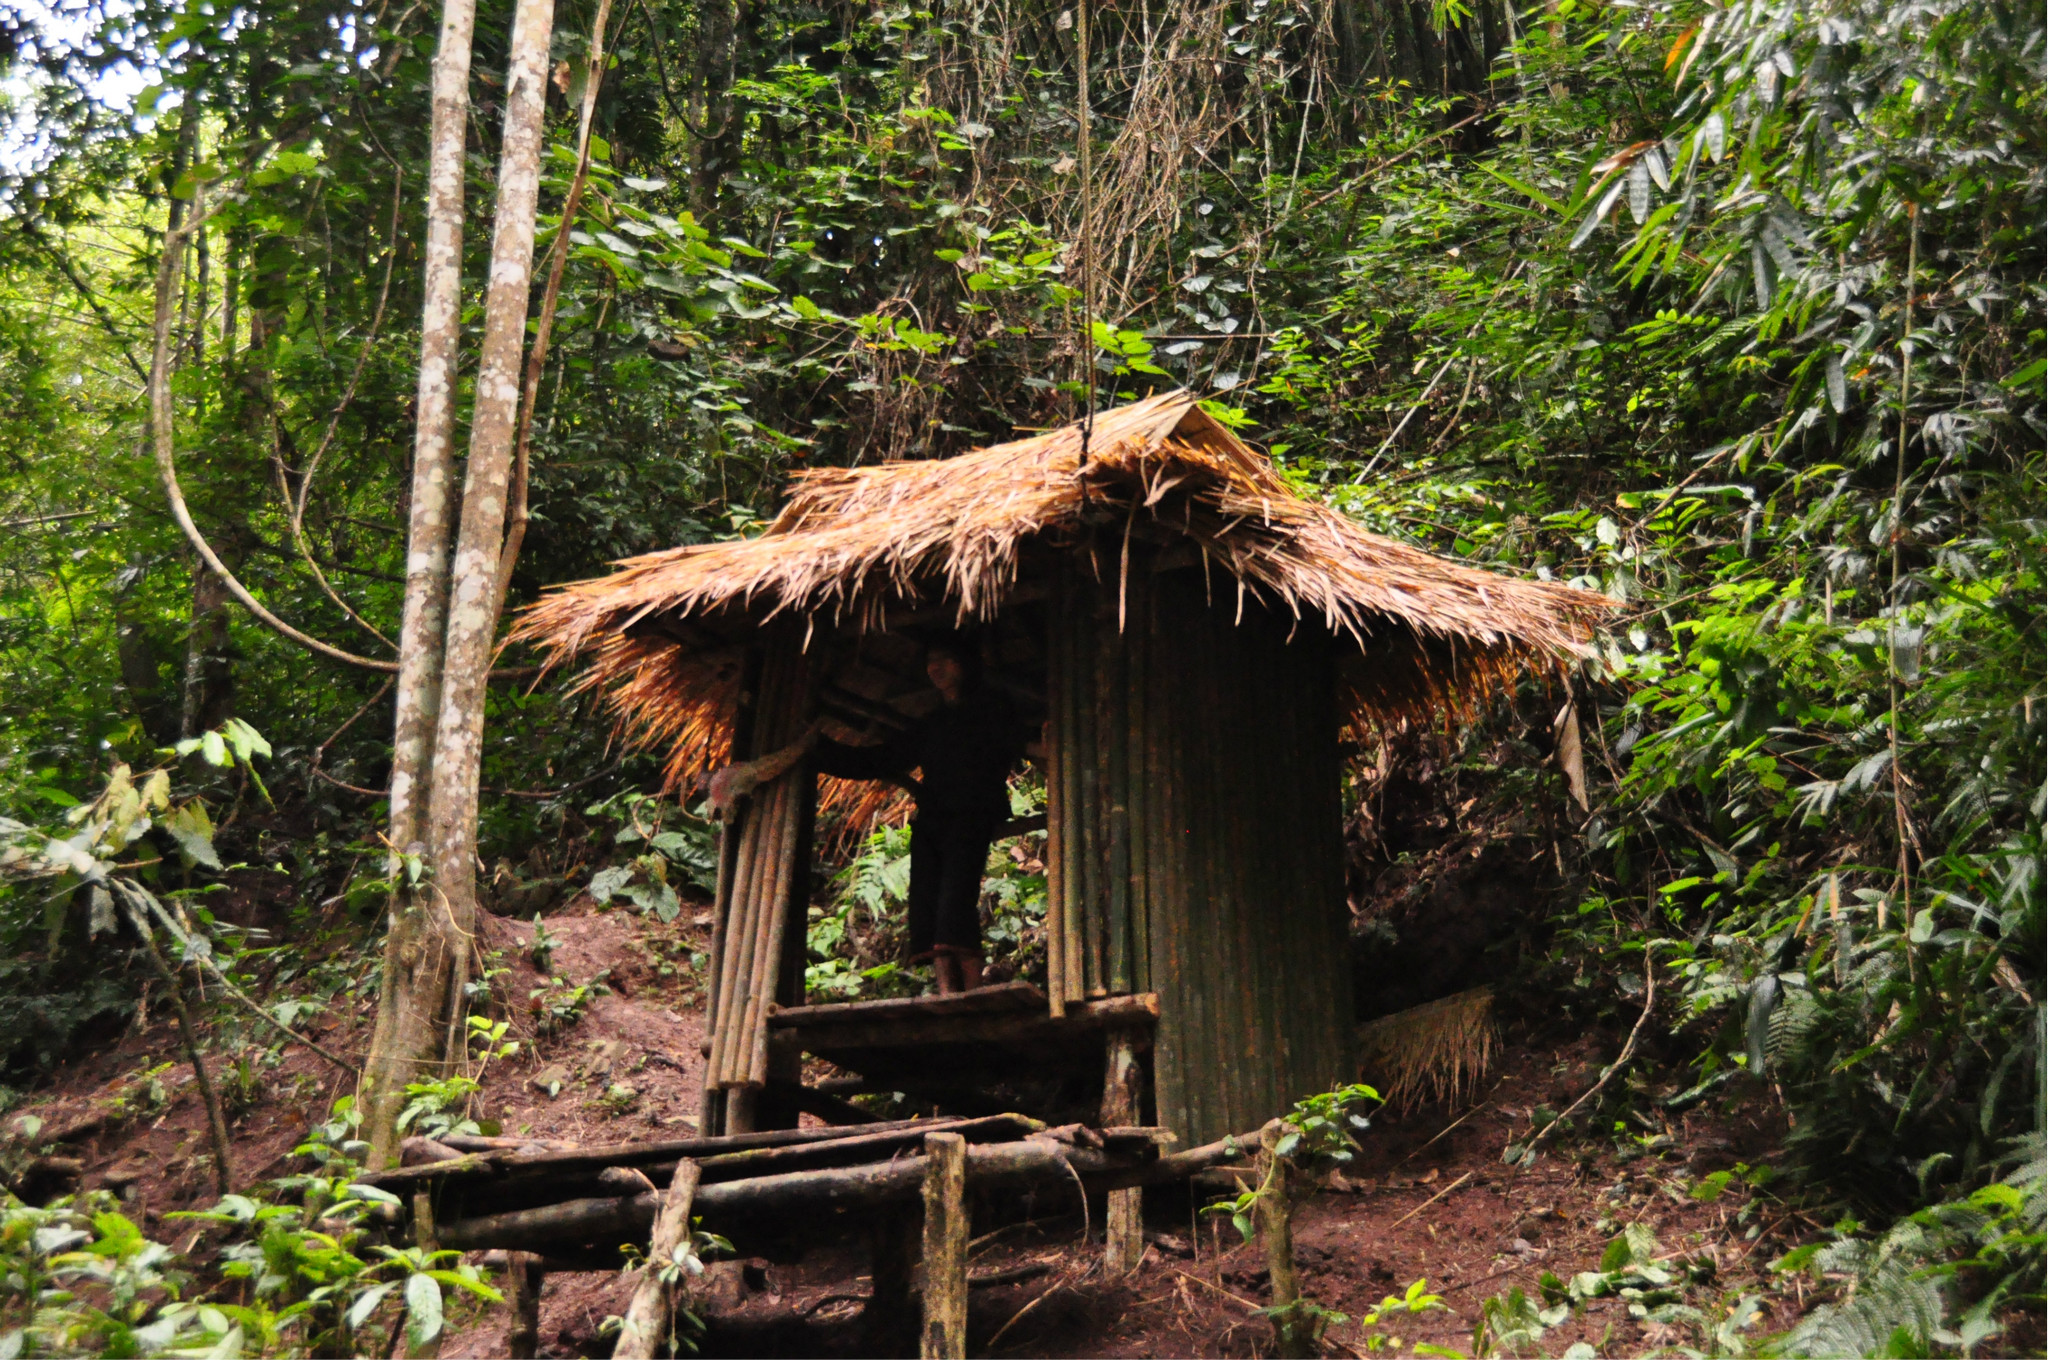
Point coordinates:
[(1199, 637)]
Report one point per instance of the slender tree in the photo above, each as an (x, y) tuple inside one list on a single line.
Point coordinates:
[(451, 607), (406, 1035)]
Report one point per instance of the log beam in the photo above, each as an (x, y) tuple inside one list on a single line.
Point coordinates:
[(810, 1193)]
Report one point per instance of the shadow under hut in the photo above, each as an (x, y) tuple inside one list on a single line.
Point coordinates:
[(1201, 641)]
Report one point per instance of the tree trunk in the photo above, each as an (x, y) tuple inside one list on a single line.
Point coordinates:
[(408, 1015), (1275, 1214), (209, 672), (473, 575), (717, 138)]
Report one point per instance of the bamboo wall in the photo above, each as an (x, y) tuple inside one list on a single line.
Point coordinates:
[(759, 913), (1196, 837)]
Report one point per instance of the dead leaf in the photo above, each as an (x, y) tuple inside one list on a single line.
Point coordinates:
[(1571, 756)]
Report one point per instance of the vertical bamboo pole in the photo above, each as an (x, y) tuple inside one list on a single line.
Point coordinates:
[(1225, 1029), (739, 948), (1093, 799), (1162, 852), (1114, 725), (1056, 682), (945, 1247), (777, 907), (1177, 1055), (1138, 792), (752, 1013), (733, 946), (1073, 700), (1258, 1072), (789, 990)]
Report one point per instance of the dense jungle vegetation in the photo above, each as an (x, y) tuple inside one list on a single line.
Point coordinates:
[(1731, 309)]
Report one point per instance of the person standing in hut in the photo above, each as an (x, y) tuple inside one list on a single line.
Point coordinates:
[(963, 752)]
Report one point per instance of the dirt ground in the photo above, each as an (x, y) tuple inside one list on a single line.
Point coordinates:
[(1429, 1200)]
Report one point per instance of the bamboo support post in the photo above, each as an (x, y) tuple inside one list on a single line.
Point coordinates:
[(424, 1235), (1124, 1242), (1074, 819), (945, 1247), (776, 911), (649, 1317), (887, 1324), (1057, 677), (523, 1278)]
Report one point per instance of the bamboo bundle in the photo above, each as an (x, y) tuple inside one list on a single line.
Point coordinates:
[(767, 857)]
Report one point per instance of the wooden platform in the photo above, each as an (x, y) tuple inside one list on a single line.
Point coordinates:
[(985, 1037)]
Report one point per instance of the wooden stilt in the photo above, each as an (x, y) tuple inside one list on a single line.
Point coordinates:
[(742, 1109), (523, 1279), (945, 1247), (886, 1323), (423, 1235), (1125, 1241), (649, 1315)]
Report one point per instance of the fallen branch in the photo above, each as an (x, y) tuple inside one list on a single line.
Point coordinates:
[(1237, 1299), (216, 1123), (1620, 1061), (1432, 1199)]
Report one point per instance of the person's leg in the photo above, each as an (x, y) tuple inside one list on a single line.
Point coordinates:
[(957, 924), (927, 861), (946, 969)]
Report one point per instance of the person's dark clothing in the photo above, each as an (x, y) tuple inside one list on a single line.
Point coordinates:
[(947, 857), (963, 753)]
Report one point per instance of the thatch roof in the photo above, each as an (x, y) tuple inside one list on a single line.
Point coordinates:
[(856, 546)]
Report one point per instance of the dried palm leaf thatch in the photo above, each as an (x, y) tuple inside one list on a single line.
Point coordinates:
[(662, 634), (1439, 1050)]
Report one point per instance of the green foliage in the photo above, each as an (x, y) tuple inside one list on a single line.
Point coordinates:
[(66, 880), (1416, 1300), (1731, 311), (1904, 1287), (1323, 1130), (79, 1278), (855, 945)]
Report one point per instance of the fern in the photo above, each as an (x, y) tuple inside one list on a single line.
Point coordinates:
[(1903, 1297)]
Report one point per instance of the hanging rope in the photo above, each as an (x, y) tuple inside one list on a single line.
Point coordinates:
[(1087, 338)]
